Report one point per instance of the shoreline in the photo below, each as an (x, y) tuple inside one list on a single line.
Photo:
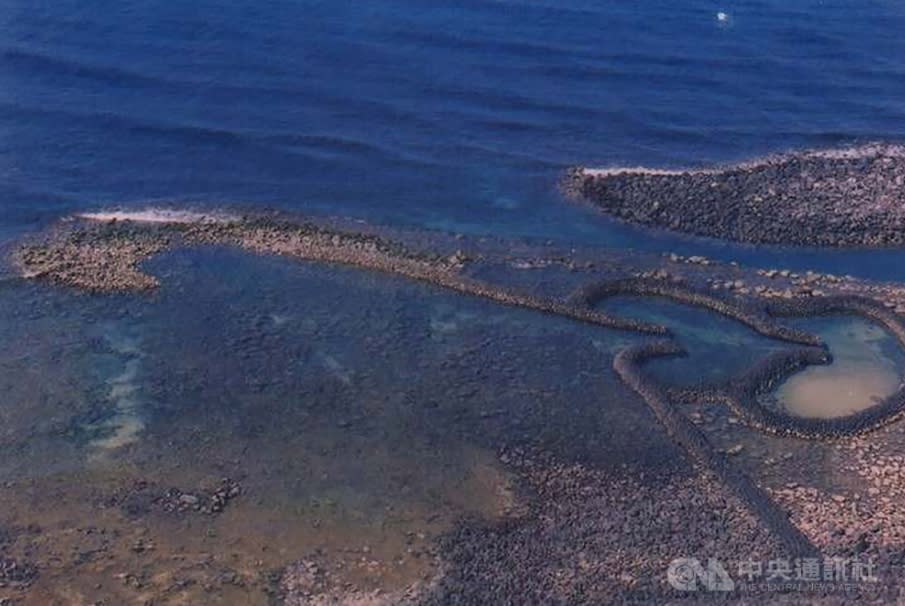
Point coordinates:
[(843, 198)]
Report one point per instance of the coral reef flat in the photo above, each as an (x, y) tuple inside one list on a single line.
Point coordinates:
[(839, 197), (413, 495)]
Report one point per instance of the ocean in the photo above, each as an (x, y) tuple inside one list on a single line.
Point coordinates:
[(457, 116)]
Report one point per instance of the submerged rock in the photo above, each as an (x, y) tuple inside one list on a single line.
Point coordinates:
[(16, 574)]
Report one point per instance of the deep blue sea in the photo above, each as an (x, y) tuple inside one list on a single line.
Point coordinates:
[(451, 115)]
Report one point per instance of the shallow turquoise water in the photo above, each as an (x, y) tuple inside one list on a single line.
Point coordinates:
[(718, 347)]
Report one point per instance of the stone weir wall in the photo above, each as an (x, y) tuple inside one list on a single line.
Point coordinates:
[(742, 396), (106, 257), (627, 365), (748, 314), (840, 198), (743, 393)]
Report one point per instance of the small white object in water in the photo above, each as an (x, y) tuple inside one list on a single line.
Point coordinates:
[(280, 319), (506, 203), (722, 17), (336, 369)]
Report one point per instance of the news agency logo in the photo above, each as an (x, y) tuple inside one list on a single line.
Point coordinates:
[(831, 573), (688, 574)]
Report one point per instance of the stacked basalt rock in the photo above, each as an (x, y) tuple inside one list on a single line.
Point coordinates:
[(837, 198)]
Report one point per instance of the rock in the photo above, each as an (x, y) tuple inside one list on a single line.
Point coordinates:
[(188, 499)]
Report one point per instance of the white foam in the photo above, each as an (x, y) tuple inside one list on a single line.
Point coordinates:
[(159, 215), (637, 170), (869, 150), (861, 151)]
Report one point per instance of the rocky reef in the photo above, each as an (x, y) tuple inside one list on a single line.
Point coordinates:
[(627, 365), (841, 198), (104, 256), (105, 253)]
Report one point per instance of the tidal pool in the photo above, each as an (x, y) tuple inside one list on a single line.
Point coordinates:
[(718, 347), (867, 367)]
